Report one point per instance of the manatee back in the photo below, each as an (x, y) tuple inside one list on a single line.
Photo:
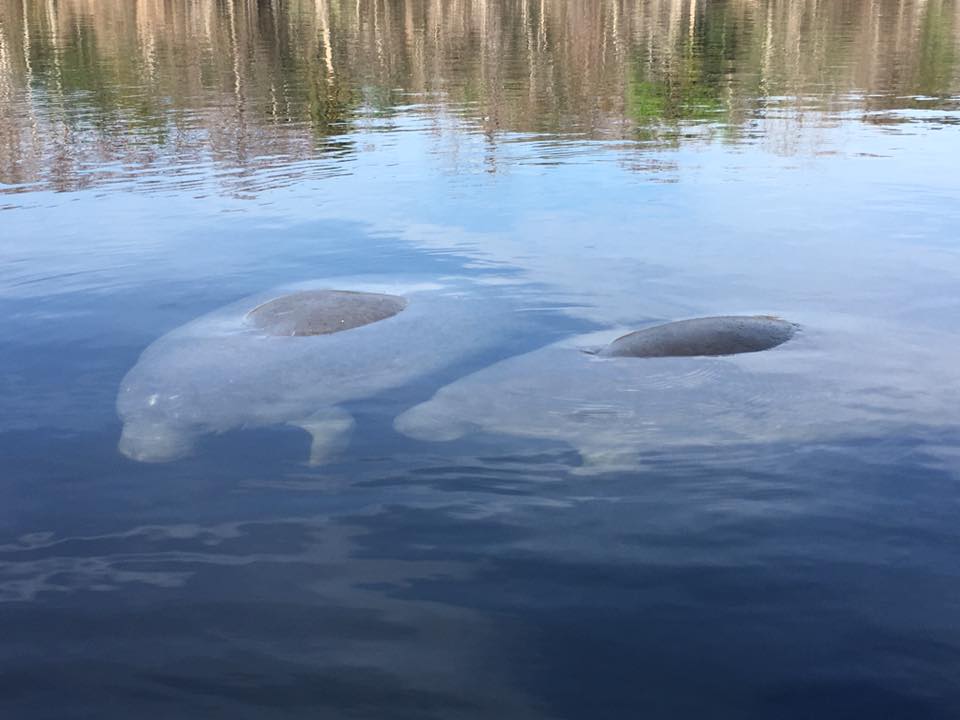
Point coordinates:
[(723, 335), (323, 312)]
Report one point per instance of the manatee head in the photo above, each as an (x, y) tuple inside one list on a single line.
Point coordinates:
[(429, 422), (160, 402), (153, 426)]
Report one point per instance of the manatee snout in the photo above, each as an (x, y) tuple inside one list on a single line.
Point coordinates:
[(422, 423), (154, 442)]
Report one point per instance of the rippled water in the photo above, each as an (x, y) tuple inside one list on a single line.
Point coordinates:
[(540, 534)]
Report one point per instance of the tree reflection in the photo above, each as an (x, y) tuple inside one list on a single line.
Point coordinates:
[(95, 90)]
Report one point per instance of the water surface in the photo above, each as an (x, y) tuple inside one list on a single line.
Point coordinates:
[(596, 166)]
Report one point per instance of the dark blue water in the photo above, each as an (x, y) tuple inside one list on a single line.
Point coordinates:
[(771, 537)]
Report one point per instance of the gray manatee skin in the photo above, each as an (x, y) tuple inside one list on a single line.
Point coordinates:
[(222, 371), (721, 335), (831, 382), (323, 312)]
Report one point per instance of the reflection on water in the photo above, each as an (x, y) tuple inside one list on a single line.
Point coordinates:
[(97, 91), (767, 536)]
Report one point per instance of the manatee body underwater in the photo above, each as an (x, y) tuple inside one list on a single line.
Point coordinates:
[(293, 356), (613, 407)]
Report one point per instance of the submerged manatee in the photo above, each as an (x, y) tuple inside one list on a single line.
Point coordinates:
[(293, 356), (722, 335), (841, 379)]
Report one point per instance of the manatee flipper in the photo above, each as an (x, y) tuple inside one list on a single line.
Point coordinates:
[(330, 430)]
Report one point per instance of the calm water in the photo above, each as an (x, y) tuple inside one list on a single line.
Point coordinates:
[(778, 536)]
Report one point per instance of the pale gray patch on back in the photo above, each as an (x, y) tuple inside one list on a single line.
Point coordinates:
[(723, 335), (323, 312)]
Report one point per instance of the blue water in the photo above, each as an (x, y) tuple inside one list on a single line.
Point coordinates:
[(807, 569)]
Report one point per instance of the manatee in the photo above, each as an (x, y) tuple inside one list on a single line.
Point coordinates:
[(294, 355), (722, 335), (831, 381)]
